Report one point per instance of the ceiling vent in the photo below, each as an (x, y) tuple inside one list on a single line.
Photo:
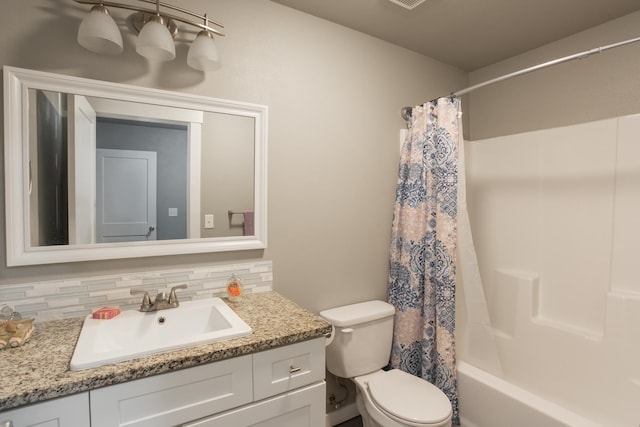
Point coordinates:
[(408, 4)]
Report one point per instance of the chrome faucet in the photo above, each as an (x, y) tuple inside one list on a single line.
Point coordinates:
[(161, 301)]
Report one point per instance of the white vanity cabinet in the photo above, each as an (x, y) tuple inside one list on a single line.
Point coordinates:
[(288, 390), (301, 407), (280, 387), (69, 411), (173, 398)]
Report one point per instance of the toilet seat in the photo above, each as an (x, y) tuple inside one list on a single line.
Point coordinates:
[(407, 399)]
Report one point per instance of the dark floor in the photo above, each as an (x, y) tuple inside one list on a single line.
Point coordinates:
[(354, 422)]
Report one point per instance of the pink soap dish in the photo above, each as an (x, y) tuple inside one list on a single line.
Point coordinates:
[(106, 313)]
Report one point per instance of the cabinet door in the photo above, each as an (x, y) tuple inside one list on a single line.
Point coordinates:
[(170, 399), (70, 411), (300, 408), (286, 368)]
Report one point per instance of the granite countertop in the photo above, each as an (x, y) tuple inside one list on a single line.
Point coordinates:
[(39, 370)]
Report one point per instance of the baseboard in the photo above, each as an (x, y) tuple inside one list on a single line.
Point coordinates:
[(341, 415)]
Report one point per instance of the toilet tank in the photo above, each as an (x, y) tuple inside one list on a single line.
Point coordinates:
[(361, 338)]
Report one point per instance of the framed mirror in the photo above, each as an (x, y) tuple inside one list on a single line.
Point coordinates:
[(98, 170)]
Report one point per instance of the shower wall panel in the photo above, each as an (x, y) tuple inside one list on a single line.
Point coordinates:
[(554, 216)]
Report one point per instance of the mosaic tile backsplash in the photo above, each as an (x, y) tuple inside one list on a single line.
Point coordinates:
[(59, 299)]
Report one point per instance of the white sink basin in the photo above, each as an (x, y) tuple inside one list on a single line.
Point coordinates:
[(134, 334)]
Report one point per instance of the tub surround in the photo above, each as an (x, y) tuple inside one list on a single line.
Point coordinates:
[(40, 369), (554, 215)]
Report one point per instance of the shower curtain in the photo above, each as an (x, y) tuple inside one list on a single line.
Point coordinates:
[(422, 271)]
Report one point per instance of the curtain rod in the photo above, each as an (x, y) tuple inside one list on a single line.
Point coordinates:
[(406, 111)]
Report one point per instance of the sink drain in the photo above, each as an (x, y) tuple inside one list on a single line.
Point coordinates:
[(161, 320)]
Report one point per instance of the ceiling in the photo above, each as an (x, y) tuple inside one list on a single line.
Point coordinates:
[(468, 34)]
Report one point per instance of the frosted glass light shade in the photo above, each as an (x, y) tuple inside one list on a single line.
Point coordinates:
[(99, 33), (155, 42), (203, 54)]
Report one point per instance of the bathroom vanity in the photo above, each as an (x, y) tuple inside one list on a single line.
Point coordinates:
[(274, 377)]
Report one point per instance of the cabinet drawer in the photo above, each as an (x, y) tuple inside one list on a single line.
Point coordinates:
[(285, 368), (302, 407), (70, 411), (174, 398)]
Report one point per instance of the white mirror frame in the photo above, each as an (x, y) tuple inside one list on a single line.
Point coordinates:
[(18, 81)]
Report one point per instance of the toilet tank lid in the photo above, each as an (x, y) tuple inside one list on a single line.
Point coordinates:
[(353, 314)]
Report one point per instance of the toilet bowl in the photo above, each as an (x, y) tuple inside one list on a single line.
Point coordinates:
[(397, 399), (360, 348)]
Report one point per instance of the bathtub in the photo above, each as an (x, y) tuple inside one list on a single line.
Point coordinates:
[(488, 401)]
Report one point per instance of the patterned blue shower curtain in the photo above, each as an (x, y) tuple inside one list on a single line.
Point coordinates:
[(423, 248)]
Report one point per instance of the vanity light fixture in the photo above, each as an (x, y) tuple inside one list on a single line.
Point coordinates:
[(156, 30), (98, 32)]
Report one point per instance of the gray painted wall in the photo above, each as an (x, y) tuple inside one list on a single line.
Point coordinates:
[(334, 98), (602, 86)]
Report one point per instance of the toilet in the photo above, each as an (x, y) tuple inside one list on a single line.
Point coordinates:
[(359, 348)]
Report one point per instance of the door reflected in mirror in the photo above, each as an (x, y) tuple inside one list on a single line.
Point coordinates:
[(109, 165)]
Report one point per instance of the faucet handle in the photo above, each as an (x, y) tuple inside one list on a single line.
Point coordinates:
[(173, 298), (146, 299)]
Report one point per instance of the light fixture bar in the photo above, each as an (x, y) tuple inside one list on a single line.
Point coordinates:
[(185, 11), (153, 12)]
